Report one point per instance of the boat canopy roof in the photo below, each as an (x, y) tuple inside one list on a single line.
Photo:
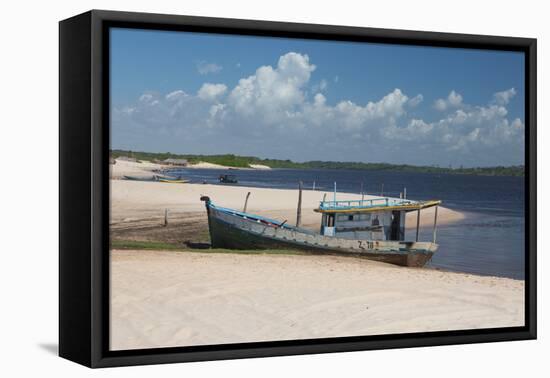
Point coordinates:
[(374, 204)]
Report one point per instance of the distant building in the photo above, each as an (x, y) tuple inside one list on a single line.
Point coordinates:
[(177, 162), (127, 158)]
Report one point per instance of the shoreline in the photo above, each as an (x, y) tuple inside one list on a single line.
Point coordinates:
[(506, 171), (293, 297), (137, 199), (205, 165), (146, 168)]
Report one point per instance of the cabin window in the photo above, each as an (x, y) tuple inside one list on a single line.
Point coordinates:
[(350, 217), (330, 220)]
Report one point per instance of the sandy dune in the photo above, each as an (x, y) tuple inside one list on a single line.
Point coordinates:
[(161, 299)]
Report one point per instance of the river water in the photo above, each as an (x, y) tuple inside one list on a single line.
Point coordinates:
[(489, 241)]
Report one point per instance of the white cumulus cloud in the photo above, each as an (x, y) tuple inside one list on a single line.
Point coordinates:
[(280, 110), (453, 100), (206, 68), (211, 92), (273, 91), (504, 97)]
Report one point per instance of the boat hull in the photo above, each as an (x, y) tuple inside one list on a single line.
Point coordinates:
[(173, 181), (236, 232)]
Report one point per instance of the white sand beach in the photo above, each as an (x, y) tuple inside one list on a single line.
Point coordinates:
[(259, 166), (192, 297), (205, 165), (162, 299), (130, 168), (145, 168), (132, 200)]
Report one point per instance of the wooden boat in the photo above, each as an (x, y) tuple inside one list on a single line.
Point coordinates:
[(228, 179), (374, 229), (173, 180), (140, 178)]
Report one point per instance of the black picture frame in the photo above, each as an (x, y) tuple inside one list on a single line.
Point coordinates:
[(84, 193)]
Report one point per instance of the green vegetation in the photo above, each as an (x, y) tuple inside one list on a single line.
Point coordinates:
[(236, 161), (135, 244), (159, 246)]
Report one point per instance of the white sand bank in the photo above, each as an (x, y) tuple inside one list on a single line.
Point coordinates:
[(205, 165), (135, 200), (259, 166), (163, 299), (129, 168)]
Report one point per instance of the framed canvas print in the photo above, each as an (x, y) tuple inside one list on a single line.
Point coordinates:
[(233, 188)]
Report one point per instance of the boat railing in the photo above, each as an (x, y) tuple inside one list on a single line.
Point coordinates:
[(364, 203), (258, 218)]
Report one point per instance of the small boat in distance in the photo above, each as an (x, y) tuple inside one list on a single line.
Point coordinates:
[(372, 228), (140, 178), (168, 179), (172, 180), (228, 179)]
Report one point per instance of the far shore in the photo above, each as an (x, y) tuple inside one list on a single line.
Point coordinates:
[(147, 169)]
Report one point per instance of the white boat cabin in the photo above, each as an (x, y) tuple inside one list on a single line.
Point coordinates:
[(381, 218)]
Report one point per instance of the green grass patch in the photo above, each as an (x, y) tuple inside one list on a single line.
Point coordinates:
[(160, 246), (136, 244)]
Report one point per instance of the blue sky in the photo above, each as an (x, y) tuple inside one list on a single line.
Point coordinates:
[(315, 100)]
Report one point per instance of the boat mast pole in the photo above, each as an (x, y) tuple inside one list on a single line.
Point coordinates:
[(334, 193), (417, 223), (435, 223)]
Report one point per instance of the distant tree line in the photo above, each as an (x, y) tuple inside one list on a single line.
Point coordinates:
[(237, 161)]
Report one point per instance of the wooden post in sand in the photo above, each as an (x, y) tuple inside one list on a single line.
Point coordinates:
[(165, 217), (417, 223), (299, 209), (435, 223), (246, 202)]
